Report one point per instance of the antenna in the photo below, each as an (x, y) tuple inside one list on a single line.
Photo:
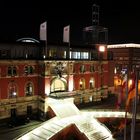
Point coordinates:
[(95, 15), (95, 34)]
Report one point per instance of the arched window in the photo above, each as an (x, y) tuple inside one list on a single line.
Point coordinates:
[(82, 83), (29, 89), (92, 83), (58, 85), (12, 90)]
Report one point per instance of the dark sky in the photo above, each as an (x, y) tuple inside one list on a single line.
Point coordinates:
[(22, 18)]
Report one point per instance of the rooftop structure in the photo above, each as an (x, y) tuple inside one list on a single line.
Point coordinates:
[(126, 61), (129, 45), (95, 34)]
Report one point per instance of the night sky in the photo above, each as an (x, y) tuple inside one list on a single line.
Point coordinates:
[(22, 19)]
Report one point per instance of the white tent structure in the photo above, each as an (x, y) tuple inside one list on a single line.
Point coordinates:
[(67, 113)]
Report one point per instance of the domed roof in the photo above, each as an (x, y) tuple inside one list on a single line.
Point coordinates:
[(27, 39)]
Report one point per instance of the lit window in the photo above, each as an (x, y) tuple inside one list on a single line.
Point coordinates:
[(92, 83), (82, 68), (82, 83), (65, 53), (75, 55), (12, 90), (53, 53), (84, 55), (29, 89), (70, 54)]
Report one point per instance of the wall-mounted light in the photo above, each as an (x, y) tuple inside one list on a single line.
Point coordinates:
[(81, 83), (130, 83), (102, 48), (115, 70), (14, 93), (44, 56)]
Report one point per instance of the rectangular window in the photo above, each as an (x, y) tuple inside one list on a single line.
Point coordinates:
[(84, 55), (4, 53), (70, 54), (65, 54), (79, 55), (75, 55), (12, 71)]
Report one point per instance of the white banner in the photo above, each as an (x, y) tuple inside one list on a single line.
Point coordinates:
[(43, 31), (66, 34)]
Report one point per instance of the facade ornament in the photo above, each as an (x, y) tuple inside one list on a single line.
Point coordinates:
[(59, 68)]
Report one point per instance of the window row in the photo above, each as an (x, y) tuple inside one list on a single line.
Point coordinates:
[(29, 70), (13, 89), (79, 55), (60, 85), (91, 69), (12, 70), (82, 83)]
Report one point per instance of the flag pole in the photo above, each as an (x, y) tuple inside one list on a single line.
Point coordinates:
[(125, 128), (46, 45), (134, 109), (43, 37), (69, 44), (66, 39)]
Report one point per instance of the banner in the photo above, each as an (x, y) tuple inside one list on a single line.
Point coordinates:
[(131, 91), (124, 81), (43, 31), (121, 91), (66, 34)]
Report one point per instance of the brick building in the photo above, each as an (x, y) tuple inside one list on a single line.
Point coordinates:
[(126, 60), (27, 79)]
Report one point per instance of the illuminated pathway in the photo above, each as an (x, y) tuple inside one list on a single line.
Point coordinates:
[(66, 114)]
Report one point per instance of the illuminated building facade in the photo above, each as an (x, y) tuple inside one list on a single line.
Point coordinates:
[(126, 60), (26, 79)]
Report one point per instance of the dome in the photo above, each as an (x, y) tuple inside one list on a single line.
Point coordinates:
[(27, 39)]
